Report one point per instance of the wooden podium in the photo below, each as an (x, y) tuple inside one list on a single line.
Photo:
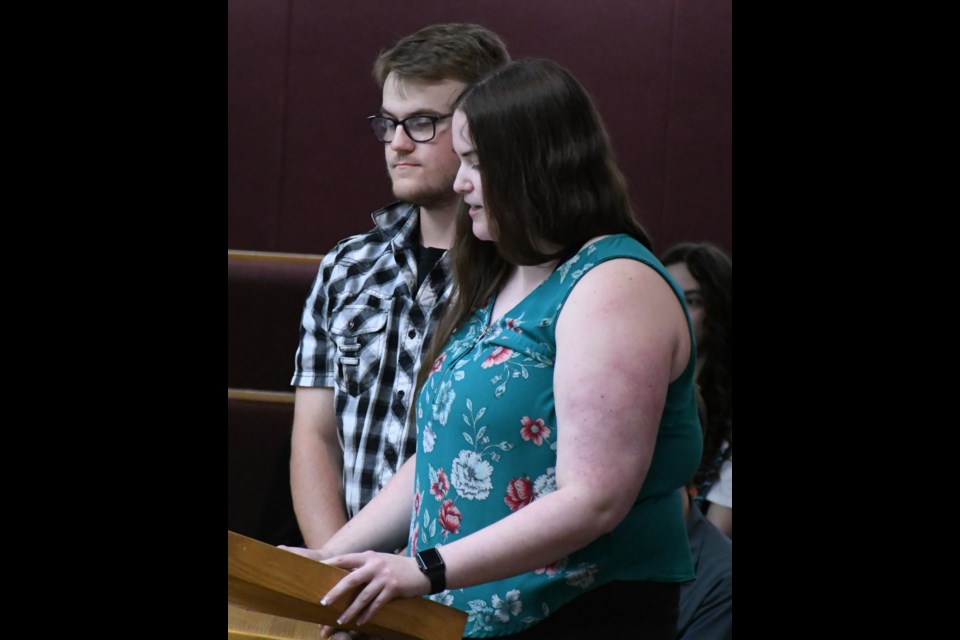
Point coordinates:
[(275, 594)]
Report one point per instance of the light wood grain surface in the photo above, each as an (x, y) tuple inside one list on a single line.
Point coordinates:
[(265, 579), (243, 624)]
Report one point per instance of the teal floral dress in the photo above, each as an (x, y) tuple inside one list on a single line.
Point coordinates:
[(486, 447)]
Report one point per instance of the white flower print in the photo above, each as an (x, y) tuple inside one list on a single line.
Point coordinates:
[(503, 608), (545, 484), (429, 438), (470, 475), (583, 576), (565, 267), (444, 402), (481, 615), (444, 597)]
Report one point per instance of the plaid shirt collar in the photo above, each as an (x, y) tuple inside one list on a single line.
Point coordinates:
[(400, 222)]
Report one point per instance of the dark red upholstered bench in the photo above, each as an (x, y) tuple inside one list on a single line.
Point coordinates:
[(265, 296)]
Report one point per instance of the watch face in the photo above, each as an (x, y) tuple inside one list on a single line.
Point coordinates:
[(430, 558)]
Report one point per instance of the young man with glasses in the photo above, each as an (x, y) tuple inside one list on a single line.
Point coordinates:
[(379, 294)]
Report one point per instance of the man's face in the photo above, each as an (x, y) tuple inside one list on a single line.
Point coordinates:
[(421, 172)]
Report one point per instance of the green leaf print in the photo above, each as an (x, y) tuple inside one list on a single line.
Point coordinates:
[(480, 440)]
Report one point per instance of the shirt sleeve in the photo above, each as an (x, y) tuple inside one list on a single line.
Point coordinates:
[(315, 358)]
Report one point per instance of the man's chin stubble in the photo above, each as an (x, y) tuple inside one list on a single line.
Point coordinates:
[(430, 199)]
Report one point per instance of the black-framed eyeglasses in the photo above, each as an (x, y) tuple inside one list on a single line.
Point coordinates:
[(418, 128)]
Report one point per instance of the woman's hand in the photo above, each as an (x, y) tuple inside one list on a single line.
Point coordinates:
[(328, 632), (382, 577)]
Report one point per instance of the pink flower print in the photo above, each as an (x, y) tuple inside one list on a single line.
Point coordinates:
[(438, 363), (553, 568), (519, 493), (499, 355), (416, 504), (449, 517), (441, 486), (413, 540), (514, 325), (534, 430)]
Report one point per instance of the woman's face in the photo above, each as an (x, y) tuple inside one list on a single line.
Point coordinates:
[(467, 182), (691, 291)]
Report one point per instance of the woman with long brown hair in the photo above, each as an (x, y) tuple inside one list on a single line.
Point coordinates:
[(556, 415)]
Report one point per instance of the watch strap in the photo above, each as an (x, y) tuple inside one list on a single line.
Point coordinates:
[(432, 566)]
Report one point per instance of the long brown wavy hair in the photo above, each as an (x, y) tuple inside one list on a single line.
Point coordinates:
[(549, 180), (713, 271)]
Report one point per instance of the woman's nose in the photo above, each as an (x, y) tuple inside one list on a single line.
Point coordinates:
[(461, 184)]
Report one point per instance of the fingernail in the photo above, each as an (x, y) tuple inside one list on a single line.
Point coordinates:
[(340, 622), (324, 602)]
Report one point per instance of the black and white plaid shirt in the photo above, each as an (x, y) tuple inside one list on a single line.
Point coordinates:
[(362, 332)]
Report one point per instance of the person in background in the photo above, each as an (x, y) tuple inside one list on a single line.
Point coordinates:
[(706, 275), (378, 295), (706, 604), (558, 421)]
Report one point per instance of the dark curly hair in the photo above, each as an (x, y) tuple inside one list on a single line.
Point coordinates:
[(713, 271)]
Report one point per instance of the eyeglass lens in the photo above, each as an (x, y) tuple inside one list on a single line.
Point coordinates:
[(418, 128)]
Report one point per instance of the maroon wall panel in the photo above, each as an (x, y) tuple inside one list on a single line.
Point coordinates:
[(659, 71), (698, 202), (257, 34)]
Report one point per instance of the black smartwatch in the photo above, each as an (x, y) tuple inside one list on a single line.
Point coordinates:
[(431, 564)]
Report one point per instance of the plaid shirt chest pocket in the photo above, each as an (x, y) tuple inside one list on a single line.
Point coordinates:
[(360, 335)]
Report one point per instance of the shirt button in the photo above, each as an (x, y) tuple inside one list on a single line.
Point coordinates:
[(351, 324), (401, 393), (412, 333)]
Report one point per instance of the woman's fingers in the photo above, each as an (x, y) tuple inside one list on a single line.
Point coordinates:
[(378, 578), (361, 569), (332, 633), (354, 579), (382, 598), (350, 560), (361, 604)]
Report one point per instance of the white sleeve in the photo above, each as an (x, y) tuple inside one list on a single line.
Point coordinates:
[(722, 491)]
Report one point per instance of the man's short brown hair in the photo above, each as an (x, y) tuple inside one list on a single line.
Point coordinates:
[(455, 51)]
